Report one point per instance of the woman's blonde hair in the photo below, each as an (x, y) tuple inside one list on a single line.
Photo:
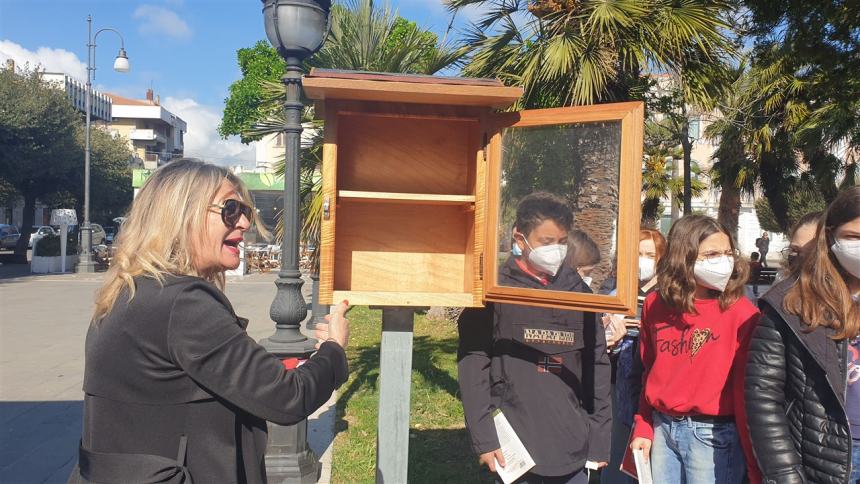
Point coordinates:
[(821, 297), (163, 226), (675, 276)]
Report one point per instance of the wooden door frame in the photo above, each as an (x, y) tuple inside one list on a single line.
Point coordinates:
[(631, 117)]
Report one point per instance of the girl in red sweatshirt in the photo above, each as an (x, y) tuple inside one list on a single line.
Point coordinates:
[(694, 335)]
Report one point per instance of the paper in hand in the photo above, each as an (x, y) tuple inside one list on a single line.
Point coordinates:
[(518, 461)]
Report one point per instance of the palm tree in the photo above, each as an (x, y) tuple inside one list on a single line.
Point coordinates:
[(659, 182), (574, 52), (366, 38), (571, 52)]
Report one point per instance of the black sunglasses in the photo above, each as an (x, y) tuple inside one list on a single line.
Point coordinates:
[(232, 211)]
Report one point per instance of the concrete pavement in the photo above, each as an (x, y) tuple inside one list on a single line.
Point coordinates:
[(43, 323)]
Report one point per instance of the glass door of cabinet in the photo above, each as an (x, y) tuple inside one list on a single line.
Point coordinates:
[(589, 160)]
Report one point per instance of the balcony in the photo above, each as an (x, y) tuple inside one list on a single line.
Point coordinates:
[(147, 135)]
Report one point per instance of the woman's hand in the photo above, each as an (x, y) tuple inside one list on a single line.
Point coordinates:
[(337, 328), (619, 330), (644, 444), (489, 459)]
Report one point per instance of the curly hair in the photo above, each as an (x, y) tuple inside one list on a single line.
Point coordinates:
[(675, 276)]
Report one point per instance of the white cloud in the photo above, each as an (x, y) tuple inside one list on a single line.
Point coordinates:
[(51, 60), (202, 139), (159, 20)]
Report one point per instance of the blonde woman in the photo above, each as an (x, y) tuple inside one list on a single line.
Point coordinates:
[(175, 389)]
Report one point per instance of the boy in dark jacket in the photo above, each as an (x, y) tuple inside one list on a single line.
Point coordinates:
[(546, 369)]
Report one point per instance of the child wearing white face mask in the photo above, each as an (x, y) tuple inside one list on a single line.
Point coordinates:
[(545, 369), (803, 372), (695, 329)]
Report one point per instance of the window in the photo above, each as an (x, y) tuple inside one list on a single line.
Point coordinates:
[(695, 128)]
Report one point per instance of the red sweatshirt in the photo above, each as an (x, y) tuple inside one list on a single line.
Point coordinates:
[(694, 364)]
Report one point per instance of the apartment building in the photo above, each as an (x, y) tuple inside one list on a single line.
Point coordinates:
[(155, 135), (100, 107)]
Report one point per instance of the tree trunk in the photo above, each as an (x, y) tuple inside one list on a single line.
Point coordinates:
[(730, 207), (676, 210), (28, 218), (687, 146), (597, 196)]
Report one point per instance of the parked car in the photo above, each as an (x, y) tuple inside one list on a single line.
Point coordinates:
[(99, 235), (9, 236), (38, 233)]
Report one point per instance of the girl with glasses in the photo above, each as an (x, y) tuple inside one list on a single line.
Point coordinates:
[(694, 331), (175, 389), (803, 373)]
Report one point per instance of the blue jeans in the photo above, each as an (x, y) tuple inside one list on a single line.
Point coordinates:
[(855, 461), (685, 451)]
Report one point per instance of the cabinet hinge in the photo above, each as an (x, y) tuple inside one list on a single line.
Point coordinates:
[(485, 147)]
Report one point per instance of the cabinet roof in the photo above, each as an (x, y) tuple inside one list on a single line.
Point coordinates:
[(322, 84)]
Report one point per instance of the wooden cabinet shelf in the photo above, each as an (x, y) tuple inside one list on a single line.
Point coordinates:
[(417, 198)]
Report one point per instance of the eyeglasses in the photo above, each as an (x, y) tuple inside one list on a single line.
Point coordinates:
[(789, 252), (232, 210), (713, 255)]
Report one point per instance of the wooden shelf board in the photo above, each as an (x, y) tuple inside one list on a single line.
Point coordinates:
[(422, 198), (420, 299)]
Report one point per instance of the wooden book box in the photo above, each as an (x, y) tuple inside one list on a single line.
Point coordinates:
[(412, 180)]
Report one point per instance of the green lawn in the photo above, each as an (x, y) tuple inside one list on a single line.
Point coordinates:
[(439, 448)]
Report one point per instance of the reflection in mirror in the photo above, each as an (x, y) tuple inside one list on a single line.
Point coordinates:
[(577, 165)]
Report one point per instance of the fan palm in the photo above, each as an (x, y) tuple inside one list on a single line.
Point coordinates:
[(570, 52), (363, 37)]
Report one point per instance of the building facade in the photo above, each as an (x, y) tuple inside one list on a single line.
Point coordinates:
[(100, 106), (155, 135)]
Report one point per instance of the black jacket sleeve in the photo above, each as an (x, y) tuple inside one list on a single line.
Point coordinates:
[(206, 341), (598, 378), (473, 365), (764, 391)]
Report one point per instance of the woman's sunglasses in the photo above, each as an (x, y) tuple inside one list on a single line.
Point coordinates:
[(232, 211)]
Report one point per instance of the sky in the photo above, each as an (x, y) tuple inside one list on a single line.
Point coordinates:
[(184, 49)]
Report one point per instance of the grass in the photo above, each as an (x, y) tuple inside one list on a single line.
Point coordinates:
[(439, 449)]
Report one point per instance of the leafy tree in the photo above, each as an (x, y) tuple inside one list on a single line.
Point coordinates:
[(37, 132), (590, 51), (110, 176), (362, 37), (658, 179), (242, 108), (801, 201)]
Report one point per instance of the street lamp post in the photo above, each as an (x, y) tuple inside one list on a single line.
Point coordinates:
[(297, 29), (120, 64)]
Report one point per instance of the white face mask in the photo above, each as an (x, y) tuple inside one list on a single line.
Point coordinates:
[(547, 258), (714, 273), (847, 252), (647, 268)]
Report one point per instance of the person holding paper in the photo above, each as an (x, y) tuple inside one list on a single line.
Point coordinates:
[(546, 370), (694, 335)]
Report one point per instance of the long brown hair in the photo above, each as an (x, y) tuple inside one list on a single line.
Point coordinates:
[(675, 277), (821, 296)]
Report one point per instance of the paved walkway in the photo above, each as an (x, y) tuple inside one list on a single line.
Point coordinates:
[(43, 323)]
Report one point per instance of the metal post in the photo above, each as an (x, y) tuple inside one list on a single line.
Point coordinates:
[(318, 311), (288, 458), (395, 380), (86, 263)]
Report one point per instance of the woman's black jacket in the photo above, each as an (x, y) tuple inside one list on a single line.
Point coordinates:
[(176, 390), (795, 398)]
